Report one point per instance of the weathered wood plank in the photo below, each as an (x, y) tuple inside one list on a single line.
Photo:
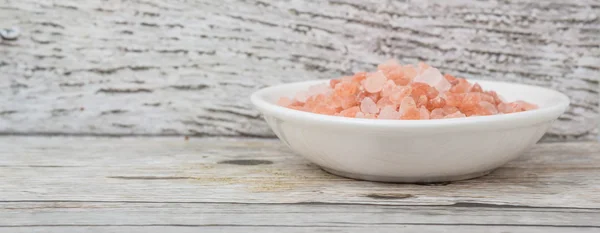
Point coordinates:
[(75, 184), (280, 217), (264, 171), (210, 229), (187, 67)]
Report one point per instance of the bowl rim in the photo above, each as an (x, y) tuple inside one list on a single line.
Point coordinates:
[(541, 114)]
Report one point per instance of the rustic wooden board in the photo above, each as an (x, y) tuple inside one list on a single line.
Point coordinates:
[(88, 184), (157, 67), (245, 229), (264, 171), (228, 217)]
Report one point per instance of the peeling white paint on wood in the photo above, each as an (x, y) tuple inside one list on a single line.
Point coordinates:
[(157, 67)]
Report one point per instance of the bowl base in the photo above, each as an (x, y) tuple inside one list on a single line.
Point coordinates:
[(400, 179)]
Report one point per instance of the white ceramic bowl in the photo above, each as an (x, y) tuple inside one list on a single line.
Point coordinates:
[(412, 150)]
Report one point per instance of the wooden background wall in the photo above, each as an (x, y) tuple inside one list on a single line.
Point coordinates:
[(158, 67)]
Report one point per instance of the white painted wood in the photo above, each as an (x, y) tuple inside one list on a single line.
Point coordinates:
[(209, 170), (157, 67), (88, 184), (236, 229), (276, 218)]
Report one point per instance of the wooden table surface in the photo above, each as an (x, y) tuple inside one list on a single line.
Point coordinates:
[(164, 184)]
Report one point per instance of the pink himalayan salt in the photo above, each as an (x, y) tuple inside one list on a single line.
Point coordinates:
[(325, 109), (347, 102), (333, 101), (350, 112), (406, 104), (365, 115), (344, 89), (424, 113), (471, 99), (359, 77), (398, 94), (461, 87), (284, 101), (374, 82), (399, 77), (476, 88), (408, 109), (469, 103), (421, 101), (301, 96), (454, 100), (451, 79), (360, 115), (505, 108), (318, 89), (520, 105), (388, 87), (312, 101), (433, 77), (421, 67), (455, 115), (393, 72), (437, 113), (449, 110), (334, 82), (389, 112), (297, 107), (410, 72), (374, 96), (411, 114), (497, 99), (385, 101), (487, 108), (363, 94), (404, 92), (367, 105), (488, 98), (437, 102), (388, 65), (419, 89)]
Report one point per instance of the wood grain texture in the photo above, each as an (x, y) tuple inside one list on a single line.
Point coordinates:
[(228, 217), (87, 184), (156, 67), (245, 229), (264, 171)]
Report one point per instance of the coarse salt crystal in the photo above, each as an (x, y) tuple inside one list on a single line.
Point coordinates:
[(424, 113), (433, 77), (374, 82), (389, 112), (301, 96), (367, 105)]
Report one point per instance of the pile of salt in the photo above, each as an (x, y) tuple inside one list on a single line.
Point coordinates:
[(404, 92)]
